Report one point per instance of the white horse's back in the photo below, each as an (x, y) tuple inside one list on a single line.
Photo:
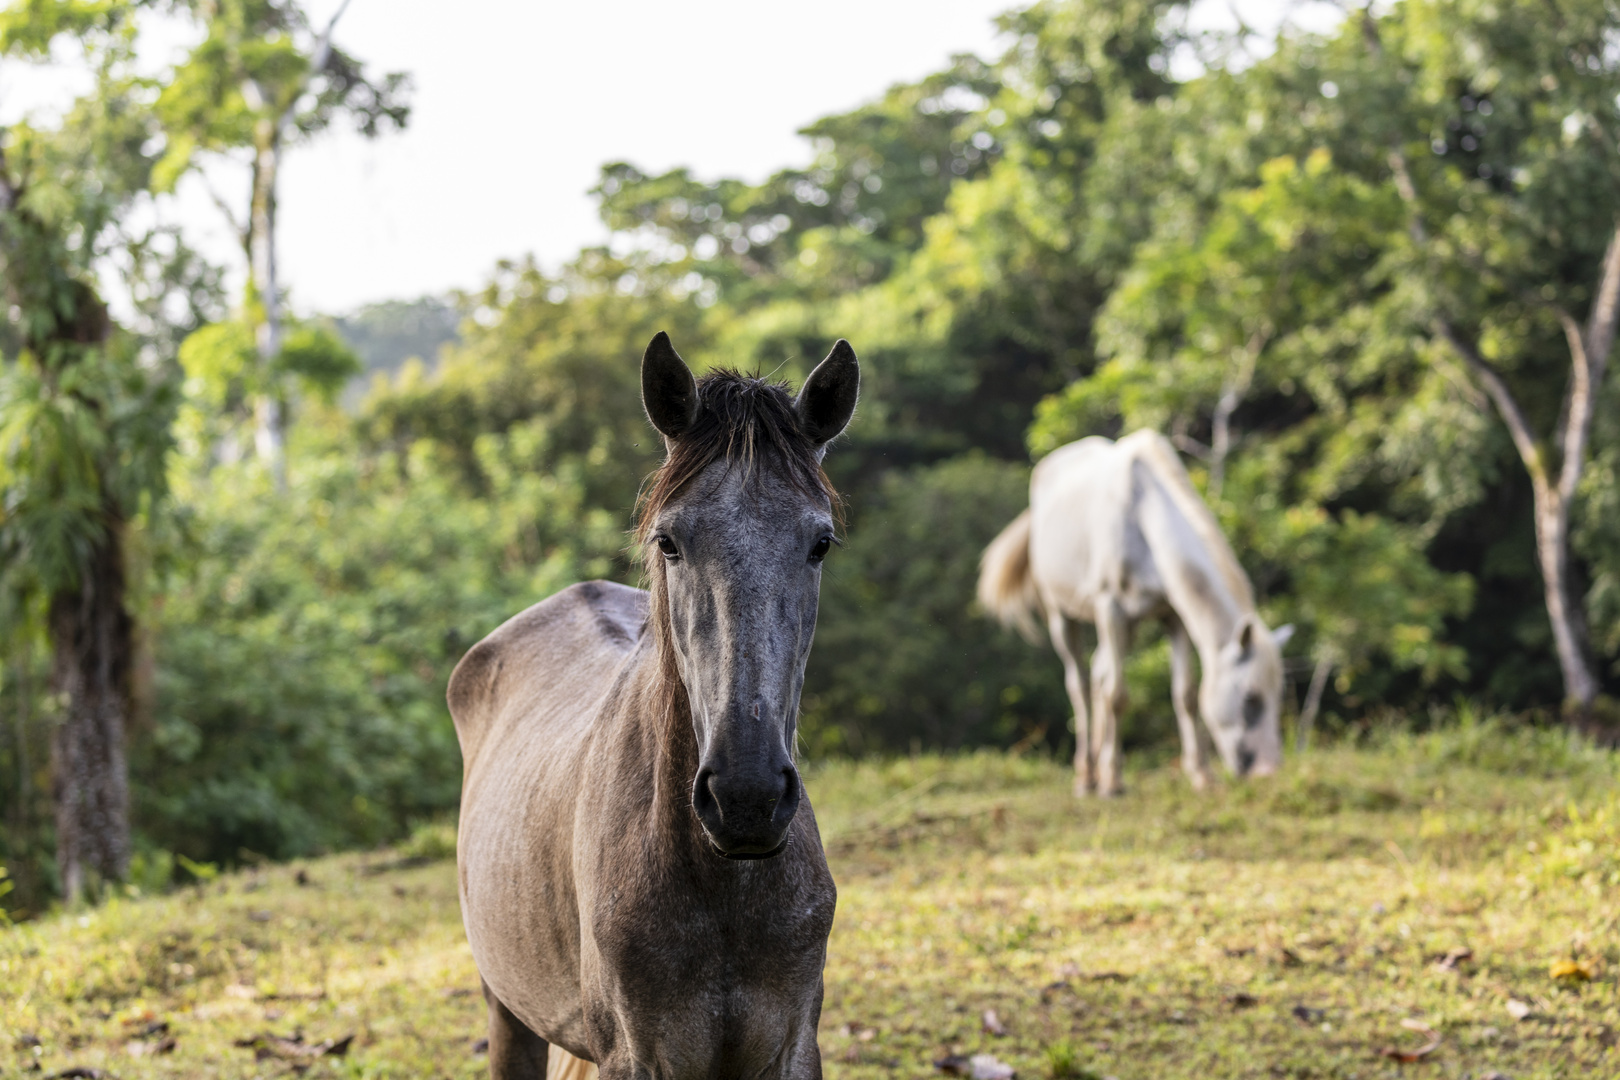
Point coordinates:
[(1081, 535)]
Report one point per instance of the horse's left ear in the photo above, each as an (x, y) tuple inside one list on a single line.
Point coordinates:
[(827, 400), (1245, 639), (1282, 635)]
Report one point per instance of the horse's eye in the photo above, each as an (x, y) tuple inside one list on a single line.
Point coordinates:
[(667, 546), (819, 552), (1253, 710)]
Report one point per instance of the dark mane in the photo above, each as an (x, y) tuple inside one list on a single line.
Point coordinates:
[(749, 422)]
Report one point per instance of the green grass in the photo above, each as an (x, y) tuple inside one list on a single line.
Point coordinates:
[(1276, 929)]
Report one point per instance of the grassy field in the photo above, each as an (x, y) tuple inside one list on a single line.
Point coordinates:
[(1461, 888)]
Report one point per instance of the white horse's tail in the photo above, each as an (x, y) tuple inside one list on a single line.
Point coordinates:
[(1006, 587), (561, 1065)]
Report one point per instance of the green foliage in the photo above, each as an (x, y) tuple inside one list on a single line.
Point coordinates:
[(1061, 241), (254, 63), (385, 335), (901, 657), (306, 638)]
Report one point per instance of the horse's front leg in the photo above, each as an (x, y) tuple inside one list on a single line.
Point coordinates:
[(1066, 641), (1108, 693), (1184, 696), (515, 1052)]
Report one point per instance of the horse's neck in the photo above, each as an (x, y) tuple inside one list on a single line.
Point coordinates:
[(1192, 580)]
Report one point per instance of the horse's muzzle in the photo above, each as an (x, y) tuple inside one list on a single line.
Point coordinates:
[(746, 813)]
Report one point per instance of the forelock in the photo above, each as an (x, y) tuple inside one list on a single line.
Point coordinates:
[(748, 422)]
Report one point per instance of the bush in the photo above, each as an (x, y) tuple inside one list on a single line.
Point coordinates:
[(302, 655), (902, 655)]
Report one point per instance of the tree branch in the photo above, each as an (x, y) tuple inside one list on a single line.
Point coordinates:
[(1506, 406), (317, 62), (243, 234), (1601, 323)]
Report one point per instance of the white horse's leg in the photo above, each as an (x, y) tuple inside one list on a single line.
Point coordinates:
[(1066, 641), (1108, 693), (1184, 696)]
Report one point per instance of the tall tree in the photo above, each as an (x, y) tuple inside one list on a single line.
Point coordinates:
[(84, 415), (1529, 113), (261, 79)]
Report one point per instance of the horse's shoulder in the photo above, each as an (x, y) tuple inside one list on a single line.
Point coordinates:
[(585, 625)]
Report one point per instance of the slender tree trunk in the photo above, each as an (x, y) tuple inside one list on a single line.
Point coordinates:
[(1589, 350), (1563, 609), (269, 436), (92, 637), (1313, 702), (22, 869)]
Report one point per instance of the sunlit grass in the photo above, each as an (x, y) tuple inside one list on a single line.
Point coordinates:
[(1284, 928)]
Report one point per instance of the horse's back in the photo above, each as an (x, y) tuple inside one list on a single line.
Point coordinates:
[(544, 662), (526, 702), (1080, 528)]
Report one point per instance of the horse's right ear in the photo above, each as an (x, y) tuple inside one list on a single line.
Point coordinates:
[(668, 391), (826, 402)]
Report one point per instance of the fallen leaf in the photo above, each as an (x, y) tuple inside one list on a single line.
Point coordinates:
[(1108, 976), (954, 1065), (1052, 989), (79, 1072), (1518, 1009), (293, 1047), (260, 916), (986, 1067), (1242, 1001), (302, 877), (1454, 959), (993, 1024), (1242, 950), (480, 1046), (27, 1041), (1396, 1053), (151, 1047), (1573, 970), (1290, 958), (1307, 1015)]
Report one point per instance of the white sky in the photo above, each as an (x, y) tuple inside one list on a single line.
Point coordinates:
[(517, 103)]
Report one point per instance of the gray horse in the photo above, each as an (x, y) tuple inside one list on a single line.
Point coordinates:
[(642, 880)]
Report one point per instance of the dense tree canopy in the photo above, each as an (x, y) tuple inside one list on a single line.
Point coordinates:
[(1363, 282)]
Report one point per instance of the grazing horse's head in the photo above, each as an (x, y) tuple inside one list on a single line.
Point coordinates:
[(735, 526), (1242, 696)]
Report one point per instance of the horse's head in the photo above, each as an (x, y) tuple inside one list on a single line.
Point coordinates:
[(1242, 696), (736, 525)]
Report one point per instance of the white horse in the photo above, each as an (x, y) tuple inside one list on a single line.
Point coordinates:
[(1115, 533)]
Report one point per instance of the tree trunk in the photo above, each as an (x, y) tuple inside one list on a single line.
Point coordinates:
[(92, 636), (1569, 634), (269, 436), (1313, 703)]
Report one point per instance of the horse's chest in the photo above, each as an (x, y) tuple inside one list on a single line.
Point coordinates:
[(735, 977)]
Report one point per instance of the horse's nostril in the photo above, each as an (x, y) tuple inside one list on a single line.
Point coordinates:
[(704, 799), (1245, 760)]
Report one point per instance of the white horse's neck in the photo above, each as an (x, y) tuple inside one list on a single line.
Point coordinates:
[(1193, 583)]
